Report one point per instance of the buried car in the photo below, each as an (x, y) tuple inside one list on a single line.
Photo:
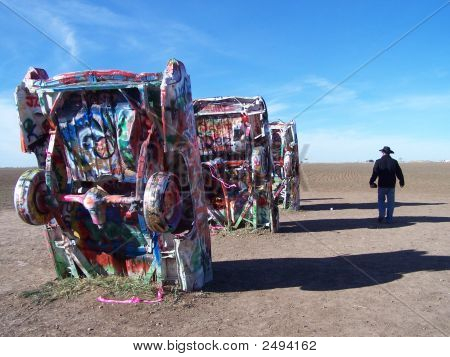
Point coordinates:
[(286, 164), (119, 184), (234, 140)]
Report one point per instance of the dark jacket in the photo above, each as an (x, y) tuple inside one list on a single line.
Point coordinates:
[(386, 169)]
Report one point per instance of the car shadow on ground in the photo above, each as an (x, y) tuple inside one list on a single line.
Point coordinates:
[(321, 199), (340, 224), (322, 274), (364, 205)]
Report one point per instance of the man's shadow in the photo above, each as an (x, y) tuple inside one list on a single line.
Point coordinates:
[(340, 224), (321, 199), (365, 205), (322, 274)]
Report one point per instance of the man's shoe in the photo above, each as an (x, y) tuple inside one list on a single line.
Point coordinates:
[(380, 219)]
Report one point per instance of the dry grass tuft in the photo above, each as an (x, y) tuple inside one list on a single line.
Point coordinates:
[(109, 286)]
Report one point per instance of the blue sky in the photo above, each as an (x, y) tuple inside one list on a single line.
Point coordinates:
[(290, 52)]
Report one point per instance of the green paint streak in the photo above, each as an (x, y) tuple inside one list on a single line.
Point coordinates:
[(196, 257), (124, 142)]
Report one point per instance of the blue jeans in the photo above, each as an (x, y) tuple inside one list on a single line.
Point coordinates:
[(385, 193)]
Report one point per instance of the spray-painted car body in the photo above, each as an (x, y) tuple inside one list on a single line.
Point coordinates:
[(234, 140), (286, 164), (119, 186)]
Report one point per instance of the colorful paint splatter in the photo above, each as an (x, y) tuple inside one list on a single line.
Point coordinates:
[(235, 149), (286, 164), (119, 186)]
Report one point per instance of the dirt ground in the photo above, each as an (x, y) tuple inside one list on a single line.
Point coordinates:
[(332, 271)]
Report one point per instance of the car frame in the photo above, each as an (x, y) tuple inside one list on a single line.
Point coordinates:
[(119, 184), (235, 149), (286, 164)]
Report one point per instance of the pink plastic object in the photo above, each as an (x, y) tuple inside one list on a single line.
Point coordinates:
[(134, 299)]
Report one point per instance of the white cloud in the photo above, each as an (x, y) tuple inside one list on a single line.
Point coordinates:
[(416, 102), (62, 31), (86, 29), (352, 104), (10, 153), (282, 101), (339, 95), (353, 145), (286, 90), (276, 108), (290, 98), (54, 21), (80, 12), (176, 35)]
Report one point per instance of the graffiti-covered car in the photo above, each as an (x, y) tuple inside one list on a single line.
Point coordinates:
[(286, 164), (234, 140), (119, 183)]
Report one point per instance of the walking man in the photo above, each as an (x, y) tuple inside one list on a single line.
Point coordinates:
[(386, 169)]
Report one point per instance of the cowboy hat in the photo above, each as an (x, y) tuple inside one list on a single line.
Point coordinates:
[(387, 150)]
